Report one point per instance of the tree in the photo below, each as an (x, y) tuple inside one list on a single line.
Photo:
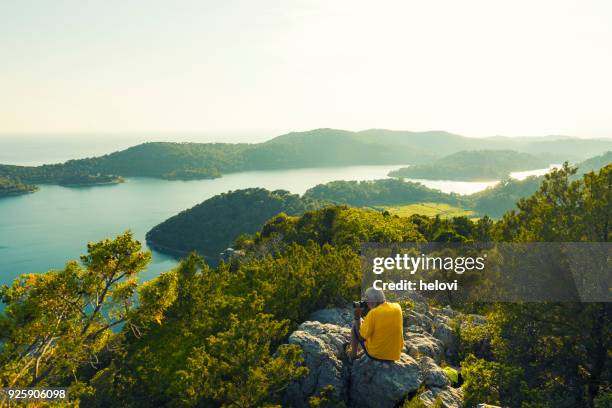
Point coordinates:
[(563, 348), (56, 322)]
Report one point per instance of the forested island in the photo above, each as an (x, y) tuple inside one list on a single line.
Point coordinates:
[(83, 180), (12, 187), (378, 192), (476, 165), (211, 226), (268, 328), (315, 148)]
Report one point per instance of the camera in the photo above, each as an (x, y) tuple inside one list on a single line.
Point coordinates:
[(360, 303)]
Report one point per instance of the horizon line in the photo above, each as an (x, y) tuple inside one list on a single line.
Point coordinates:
[(275, 133)]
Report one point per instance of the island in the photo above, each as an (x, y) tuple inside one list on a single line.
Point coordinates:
[(12, 187), (378, 193), (84, 180), (212, 226), (476, 165)]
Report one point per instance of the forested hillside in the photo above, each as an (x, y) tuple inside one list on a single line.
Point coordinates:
[(495, 201), (474, 165), (378, 192), (218, 337), (212, 226), (594, 163), (11, 187)]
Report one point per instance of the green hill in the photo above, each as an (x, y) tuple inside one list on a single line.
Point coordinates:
[(595, 163), (495, 201), (377, 193), (213, 225), (11, 187), (331, 147), (473, 165)]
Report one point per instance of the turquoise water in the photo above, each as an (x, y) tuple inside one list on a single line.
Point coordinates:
[(43, 230)]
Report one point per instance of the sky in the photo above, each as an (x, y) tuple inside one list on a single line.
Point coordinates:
[(473, 67)]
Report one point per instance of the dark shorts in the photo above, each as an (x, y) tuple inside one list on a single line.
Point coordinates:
[(359, 338)]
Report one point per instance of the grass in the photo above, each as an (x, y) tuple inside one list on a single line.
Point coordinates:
[(429, 209)]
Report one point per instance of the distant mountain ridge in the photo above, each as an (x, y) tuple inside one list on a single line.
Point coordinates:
[(314, 148)]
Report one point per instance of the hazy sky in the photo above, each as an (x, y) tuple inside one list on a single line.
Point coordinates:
[(475, 67)]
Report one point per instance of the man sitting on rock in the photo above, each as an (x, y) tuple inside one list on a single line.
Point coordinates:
[(381, 333)]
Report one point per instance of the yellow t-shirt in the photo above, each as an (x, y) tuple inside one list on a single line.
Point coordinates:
[(383, 331)]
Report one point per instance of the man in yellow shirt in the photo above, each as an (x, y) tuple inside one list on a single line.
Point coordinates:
[(381, 333)]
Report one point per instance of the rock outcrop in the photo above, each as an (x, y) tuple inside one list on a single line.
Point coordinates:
[(423, 344), (433, 375), (323, 352), (429, 341), (338, 316), (382, 384), (449, 396), (448, 337)]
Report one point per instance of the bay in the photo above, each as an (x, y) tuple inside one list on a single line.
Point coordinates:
[(43, 230)]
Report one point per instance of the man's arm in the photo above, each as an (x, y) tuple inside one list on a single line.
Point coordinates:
[(360, 323)]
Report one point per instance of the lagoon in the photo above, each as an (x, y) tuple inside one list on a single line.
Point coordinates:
[(43, 230)]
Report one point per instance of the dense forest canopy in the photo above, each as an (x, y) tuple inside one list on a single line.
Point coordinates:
[(212, 226), (474, 165), (378, 192), (217, 337), (495, 201)]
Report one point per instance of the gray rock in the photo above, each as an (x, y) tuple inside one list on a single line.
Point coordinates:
[(433, 376), (414, 328), (441, 319), (450, 397), (323, 352), (447, 311), (412, 317), (449, 339), (423, 344), (378, 384), (338, 316)]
